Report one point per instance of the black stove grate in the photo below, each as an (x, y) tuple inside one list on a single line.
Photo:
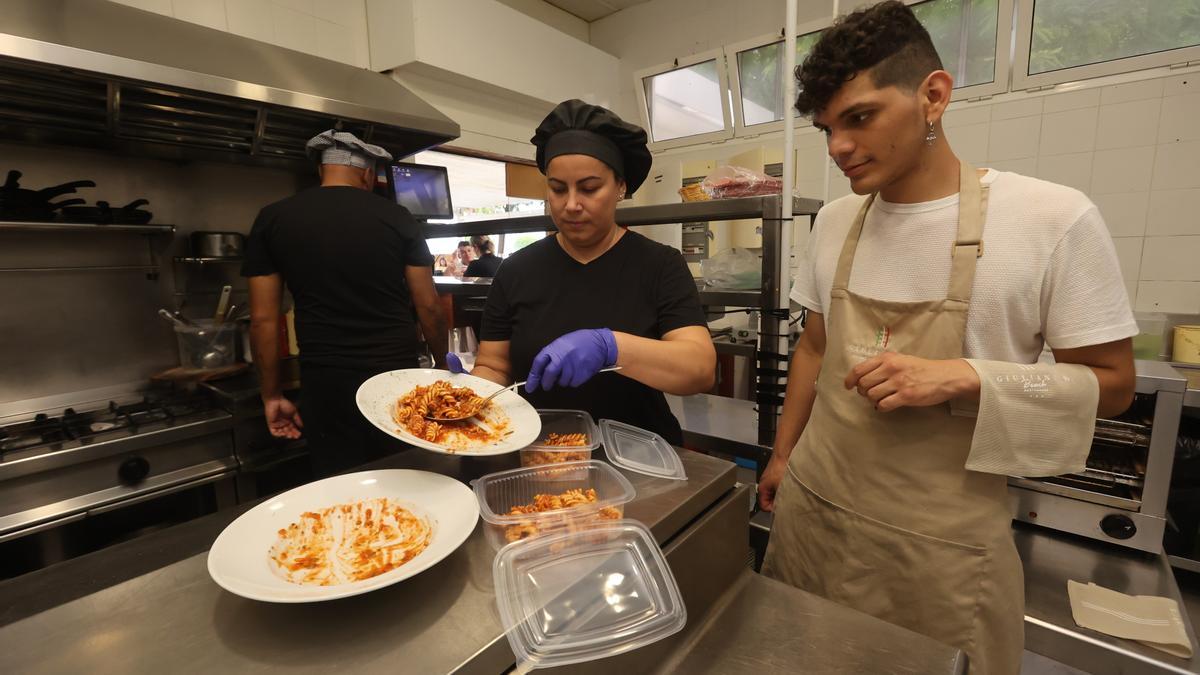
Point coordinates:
[(53, 431)]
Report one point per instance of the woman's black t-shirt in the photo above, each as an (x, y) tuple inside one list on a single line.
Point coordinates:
[(638, 287)]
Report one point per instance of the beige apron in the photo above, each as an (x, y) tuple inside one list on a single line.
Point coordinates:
[(877, 512)]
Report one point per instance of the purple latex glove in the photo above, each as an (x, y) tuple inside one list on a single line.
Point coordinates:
[(454, 364), (572, 359)]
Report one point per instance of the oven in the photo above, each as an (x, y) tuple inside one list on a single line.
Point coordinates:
[(1121, 496), (84, 477)]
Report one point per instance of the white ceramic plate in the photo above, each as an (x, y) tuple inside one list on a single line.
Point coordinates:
[(377, 396), (238, 560)]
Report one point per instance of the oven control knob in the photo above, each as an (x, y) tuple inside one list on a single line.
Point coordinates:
[(133, 470), (1118, 526)]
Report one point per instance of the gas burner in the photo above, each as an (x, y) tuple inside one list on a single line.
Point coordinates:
[(156, 406)]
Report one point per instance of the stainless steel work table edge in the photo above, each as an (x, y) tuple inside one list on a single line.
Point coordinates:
[(175, 617)]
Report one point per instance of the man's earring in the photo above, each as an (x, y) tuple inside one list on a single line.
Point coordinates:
[(930, 136)]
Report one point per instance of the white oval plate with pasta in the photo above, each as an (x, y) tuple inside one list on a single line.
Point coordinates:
[(245, 559), (508, 424)]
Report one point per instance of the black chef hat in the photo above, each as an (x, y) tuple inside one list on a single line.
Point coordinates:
[(578, 128)]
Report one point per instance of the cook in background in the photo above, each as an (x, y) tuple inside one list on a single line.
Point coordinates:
[(889, 502), (357, 266), (486, 262), (595, 294)]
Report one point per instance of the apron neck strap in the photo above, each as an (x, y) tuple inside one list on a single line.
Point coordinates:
[(968, 242)]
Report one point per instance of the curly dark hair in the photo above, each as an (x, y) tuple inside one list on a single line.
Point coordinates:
[(885, 39)]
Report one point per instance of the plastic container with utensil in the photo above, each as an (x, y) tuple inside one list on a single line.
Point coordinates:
[(205, 344), (499, 492)]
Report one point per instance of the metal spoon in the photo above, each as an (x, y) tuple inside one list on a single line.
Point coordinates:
[(483, 404), (173, 319)]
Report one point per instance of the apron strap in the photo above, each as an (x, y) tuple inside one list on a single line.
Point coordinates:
[(968, 244), (841, 277)]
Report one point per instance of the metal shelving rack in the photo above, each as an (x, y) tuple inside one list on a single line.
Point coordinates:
[(8, 226), (151, 270), (769, 359)]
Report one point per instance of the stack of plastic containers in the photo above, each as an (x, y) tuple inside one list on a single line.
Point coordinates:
[(575, 580), (565, 599), (499, 492)]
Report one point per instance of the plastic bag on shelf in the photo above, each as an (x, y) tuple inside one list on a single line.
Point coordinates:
[(736, 268), (728, 182)]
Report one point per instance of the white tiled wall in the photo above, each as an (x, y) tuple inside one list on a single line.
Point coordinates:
[(331, 29), (1133, 147)]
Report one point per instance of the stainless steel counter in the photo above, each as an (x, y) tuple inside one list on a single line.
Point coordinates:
[(468, 286), (765, 626), (175, 618), (149, 606), (1191, 398), (1050, 559)]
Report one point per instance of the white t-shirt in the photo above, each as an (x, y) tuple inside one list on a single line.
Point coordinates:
[(1049, 272)]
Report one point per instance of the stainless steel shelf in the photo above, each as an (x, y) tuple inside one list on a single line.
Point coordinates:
[(730, 298), (6, 226), (657, 214), (1191, 395), (207, 261), (766, 209), (151, 269)]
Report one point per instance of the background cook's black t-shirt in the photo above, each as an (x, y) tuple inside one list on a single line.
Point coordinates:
[(342, 252), (638, 287)]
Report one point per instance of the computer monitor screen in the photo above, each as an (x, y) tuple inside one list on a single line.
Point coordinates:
[(423, 189)]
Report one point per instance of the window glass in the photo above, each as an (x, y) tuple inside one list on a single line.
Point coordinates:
[(1070, 33), (760, 72), (964, 34), (684, 102)]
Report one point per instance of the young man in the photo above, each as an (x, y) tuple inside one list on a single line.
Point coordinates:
[(932, 288), (357, 266)]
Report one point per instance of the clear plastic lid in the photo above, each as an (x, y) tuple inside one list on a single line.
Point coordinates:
[(499, 492), (566, 423), (639, 450), (575, 597)]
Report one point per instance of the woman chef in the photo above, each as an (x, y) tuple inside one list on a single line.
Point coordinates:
[(595, 294)]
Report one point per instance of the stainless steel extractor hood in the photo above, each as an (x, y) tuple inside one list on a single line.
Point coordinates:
[(98, 74)]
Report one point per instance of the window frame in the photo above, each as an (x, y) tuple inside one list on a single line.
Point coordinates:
[(741, 129), (1003, 62), (724, 134), (1023, 81)]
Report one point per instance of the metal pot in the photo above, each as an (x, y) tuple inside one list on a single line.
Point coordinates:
[(217, 244)]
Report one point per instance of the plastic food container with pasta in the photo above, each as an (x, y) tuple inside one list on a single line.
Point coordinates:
[(567, 436), (498, 493)]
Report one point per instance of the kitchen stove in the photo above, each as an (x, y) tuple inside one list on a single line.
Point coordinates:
[(46, 433), (160, 448)]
